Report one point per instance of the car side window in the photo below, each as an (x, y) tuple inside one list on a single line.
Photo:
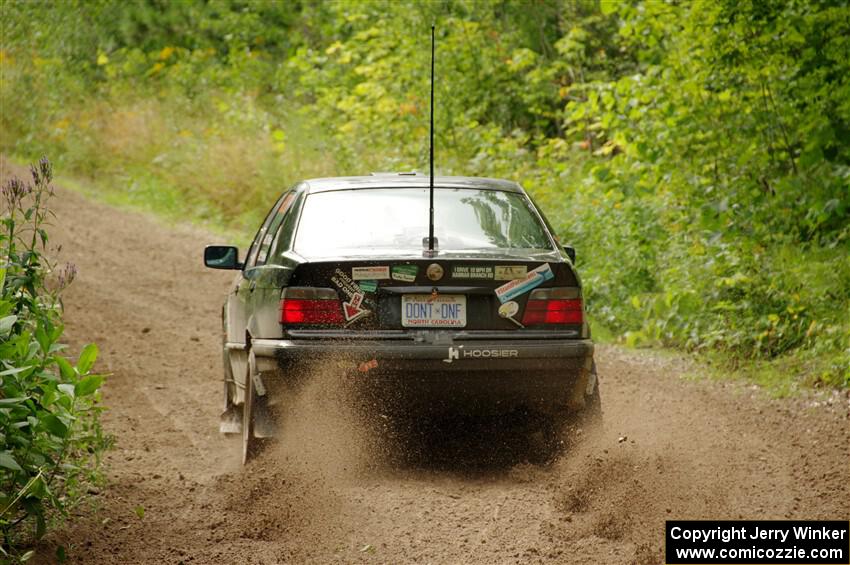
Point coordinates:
[(286, 231), (271, 228), (251, 257)]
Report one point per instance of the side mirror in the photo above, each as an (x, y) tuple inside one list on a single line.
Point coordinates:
[(571, 253), (222, 257)]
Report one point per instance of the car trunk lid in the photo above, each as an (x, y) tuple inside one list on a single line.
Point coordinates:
[(453, 293)]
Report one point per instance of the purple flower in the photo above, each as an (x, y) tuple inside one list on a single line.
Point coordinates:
[(67, 275), (42, 172), (14, 191)]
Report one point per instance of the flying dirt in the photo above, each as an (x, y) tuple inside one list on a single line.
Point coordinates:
[(344, 489)]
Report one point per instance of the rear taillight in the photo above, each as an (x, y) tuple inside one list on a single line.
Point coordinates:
[(303, 305), (553, 306)]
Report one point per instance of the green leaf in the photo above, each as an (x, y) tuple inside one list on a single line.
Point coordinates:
[(48, 397), (87, 358), (67, 388), (55, 426), (140, 511), (6, 324), (16, 400), (15, 370), (88, 385), (7, 461), (66, 369), (42, 338), (608, 7)]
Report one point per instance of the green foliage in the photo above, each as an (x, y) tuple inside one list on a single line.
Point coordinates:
[(742, 135), (698, 153), (51, 436)]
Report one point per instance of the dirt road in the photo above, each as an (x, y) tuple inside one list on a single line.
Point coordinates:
[(673, 447)]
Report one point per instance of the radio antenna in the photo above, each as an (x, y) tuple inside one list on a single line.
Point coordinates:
[(431, 158)]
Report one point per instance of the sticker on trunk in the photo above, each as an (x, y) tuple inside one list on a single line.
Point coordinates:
[(434, 271), (352, 309), (404, 273), (370, 273), (344, 283), (369, 286), (508, 310), (472, 272), (510, 272), (518, 287)]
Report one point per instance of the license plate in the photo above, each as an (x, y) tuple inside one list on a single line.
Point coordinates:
[(427, 311)]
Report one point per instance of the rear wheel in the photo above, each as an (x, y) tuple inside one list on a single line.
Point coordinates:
[(560, 431), (549, 444), (250, 443), (587, 422)]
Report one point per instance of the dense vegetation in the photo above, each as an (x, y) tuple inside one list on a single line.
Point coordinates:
[(696, 153), (50, 435)]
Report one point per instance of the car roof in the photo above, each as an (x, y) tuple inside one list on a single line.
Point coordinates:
[(408, 180)]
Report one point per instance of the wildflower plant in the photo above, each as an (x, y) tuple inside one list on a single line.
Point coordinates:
[(50, 434)]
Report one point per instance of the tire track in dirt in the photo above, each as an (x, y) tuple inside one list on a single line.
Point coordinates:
[(672, 447)]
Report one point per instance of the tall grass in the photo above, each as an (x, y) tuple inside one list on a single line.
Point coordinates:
[(219, 159)]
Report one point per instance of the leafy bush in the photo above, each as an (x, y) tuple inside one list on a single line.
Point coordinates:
[(51, 435)]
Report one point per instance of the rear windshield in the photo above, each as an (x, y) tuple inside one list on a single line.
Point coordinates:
[(383, 220)]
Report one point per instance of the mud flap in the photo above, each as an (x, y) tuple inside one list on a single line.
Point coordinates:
[(591, 384), (230, 421), (583, 388)]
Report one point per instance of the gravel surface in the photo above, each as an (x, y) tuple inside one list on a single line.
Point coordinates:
[(673, 447)]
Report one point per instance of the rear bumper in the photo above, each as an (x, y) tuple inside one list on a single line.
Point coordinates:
[(459, 356), (465, 376)]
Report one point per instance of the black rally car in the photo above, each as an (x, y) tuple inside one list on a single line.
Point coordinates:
[(340, 272)]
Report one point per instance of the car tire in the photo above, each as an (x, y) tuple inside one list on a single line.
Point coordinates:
[(586, 423), (250, 443), (228, 379), (230, 420), (563, 430)]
